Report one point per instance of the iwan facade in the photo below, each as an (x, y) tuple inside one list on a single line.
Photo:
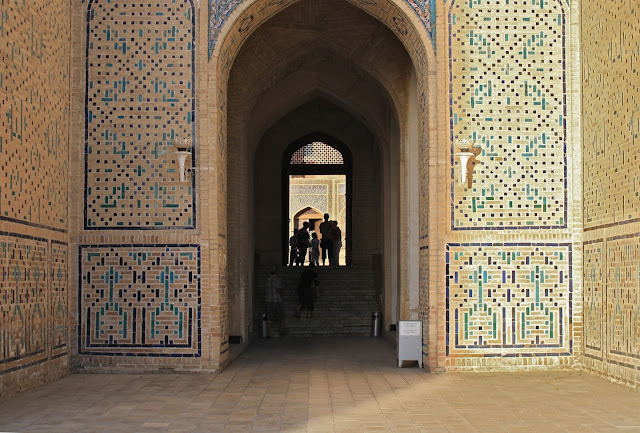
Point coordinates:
[(117, 257)]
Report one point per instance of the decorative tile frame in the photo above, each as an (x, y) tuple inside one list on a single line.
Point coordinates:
[(522, 294), (139, 300), (538, 153), (130, 177)]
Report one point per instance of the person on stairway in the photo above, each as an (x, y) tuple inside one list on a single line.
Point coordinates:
[(275, 308), (308, 289)]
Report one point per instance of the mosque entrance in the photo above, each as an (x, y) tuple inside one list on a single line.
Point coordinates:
[(321, 97)]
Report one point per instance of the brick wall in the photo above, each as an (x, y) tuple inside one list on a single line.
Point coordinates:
[(509, 253), (34, 150), (611, 119)]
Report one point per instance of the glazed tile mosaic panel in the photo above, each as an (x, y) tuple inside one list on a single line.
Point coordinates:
[(509, 300), (140, 99), (34, 113), (508, 94), (141, 300)]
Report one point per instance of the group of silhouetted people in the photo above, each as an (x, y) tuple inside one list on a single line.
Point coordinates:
[(302, 241)]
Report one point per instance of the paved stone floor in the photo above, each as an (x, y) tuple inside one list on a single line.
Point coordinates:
[(325, 385)]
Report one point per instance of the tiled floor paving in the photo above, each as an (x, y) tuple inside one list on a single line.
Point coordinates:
[(325, 385)]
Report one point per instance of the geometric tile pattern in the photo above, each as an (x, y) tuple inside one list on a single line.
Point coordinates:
[(23, 301), (140, 300), (34, 112), (593, 292), (140, 99), (611, 111), (507, 92), (623, 300), (509, 300), (220, 10)]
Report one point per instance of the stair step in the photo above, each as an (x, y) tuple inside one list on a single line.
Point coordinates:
[(347, 298)]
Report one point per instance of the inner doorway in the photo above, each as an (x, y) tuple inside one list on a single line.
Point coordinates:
[(316, 181), (312, 196)]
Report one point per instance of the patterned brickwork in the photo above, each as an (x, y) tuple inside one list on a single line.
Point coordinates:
[(140, 300), (34, 112), (23, 301), (59, 300), (140, 99), (610, 43), (623, 300), (509, 300), (507, 66), (593, 292), (611, 111)]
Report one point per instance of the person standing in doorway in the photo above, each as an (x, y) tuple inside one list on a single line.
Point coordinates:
[(302, 243), (336, 242), (326, 241), (314, 252), (275, 308), (293, 252)]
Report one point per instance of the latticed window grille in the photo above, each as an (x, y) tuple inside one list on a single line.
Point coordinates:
[(317, 153)]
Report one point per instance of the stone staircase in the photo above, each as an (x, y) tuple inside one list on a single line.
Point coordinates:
[(347, 299)]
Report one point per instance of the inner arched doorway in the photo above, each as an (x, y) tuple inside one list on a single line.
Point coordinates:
[(320, 167)]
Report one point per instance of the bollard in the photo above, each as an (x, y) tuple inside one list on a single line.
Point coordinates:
[(376, 324)]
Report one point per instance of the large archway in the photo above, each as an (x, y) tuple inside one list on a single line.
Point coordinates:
[(337, 58)]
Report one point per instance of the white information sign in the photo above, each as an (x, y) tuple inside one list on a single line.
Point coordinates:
[(410, 327), (409, 341)]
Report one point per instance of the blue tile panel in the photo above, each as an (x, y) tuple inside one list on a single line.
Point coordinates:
[(140, 98), (509, 300), (139, 300), (508, 93)]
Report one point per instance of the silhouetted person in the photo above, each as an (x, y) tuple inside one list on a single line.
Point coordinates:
[(275, 309), (302, 242), (307, 287), (314, 249), (293, 252), (336, 242), (326, 243)]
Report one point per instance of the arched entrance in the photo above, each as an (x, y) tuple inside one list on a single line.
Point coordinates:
[(321, 167), (326, 67)]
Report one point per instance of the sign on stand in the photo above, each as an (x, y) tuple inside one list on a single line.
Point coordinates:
[(410, 341)]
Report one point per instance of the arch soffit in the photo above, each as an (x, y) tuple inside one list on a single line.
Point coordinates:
[(290, 98), (249, 15), (289, 105), (310, 54)]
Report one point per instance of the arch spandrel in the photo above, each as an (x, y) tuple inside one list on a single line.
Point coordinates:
[(416, 30)]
